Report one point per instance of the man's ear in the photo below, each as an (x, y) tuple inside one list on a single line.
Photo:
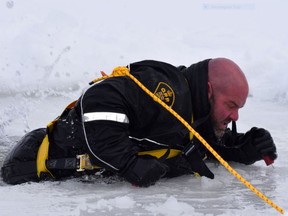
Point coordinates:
[(209, 90)]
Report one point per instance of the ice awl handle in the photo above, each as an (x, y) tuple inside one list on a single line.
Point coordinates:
[(268, 160)]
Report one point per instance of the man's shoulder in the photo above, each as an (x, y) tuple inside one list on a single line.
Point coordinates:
[(155, 64)]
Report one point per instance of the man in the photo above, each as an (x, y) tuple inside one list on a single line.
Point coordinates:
[(125, 132)]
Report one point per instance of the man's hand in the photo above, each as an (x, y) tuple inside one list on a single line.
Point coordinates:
[(144, 171), (256, 144), (264, 144)]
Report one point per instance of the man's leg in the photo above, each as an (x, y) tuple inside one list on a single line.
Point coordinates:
[(20, 164)]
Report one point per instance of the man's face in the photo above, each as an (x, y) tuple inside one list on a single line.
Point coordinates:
[(224, 108)]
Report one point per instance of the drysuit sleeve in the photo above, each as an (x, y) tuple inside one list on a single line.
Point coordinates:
[(247, 148), (107, 115)]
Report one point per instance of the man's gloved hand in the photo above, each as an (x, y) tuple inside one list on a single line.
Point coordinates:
[(144, 171), (264, 144), (256, 144), (178, 166)]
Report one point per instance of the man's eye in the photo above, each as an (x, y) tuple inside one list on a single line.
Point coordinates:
[(231, 105)]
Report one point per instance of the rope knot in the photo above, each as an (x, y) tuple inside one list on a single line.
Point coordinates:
[(120, 71)]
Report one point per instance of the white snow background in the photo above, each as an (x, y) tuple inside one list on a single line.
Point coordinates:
[(51, 49)]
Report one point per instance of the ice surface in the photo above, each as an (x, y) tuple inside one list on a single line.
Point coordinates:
[(50, 50)]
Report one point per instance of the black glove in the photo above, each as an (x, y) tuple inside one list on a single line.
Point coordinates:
[(193, 156), (178, 166), (144, 171), (264, 143), (255, 145)]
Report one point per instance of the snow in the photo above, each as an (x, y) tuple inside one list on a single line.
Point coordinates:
[(50, 50)]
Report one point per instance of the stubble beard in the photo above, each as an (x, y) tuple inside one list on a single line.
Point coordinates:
[(219, 133)]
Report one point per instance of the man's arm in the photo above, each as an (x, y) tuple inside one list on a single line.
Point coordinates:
[(254, 145), (107, 114)]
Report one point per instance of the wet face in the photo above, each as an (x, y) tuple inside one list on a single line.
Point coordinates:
[(225, 107)]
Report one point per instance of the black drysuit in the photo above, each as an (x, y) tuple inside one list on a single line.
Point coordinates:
[(114, 120)]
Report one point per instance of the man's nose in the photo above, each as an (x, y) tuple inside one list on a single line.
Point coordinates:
[(234, 115)]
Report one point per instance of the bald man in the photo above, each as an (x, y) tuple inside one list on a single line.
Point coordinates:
[(117, 128)]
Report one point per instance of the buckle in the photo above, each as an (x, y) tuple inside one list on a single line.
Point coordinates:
[(80, 163), (83, 163)]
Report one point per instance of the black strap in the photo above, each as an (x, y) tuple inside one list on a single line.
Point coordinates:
[(234, 128), (62, 163), (195, 160), (194, 125), (200, 121)]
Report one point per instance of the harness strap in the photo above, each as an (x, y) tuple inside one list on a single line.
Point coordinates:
[(79, 163), (158, 153), (82, 162), (43, 151), (42, 157)]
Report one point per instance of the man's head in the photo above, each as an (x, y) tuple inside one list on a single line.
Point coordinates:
[(227, 92)]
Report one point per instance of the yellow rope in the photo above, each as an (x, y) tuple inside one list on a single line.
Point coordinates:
[(99, 79), (124, 71)]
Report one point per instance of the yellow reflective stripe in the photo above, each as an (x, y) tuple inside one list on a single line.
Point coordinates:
[(42, 157), (160, 152)]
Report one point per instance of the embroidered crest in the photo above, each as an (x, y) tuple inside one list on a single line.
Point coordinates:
[(165, 93)]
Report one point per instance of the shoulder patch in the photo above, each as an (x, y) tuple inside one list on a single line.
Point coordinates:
[(165, 93)]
